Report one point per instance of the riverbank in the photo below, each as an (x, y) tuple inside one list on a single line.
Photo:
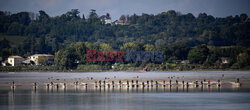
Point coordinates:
[(107, 68)]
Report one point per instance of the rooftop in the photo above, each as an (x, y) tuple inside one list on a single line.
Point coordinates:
[(15, 57), (42, 55)]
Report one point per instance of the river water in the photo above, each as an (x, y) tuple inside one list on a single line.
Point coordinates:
[(123, 98)]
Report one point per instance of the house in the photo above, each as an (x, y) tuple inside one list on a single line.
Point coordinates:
[(120, 22), (224, 60), (27, 61), (185, 61), (15, 60), (42, 59), (5, 63), (106, 19)]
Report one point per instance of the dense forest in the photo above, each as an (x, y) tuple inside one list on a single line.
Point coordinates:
[(203, 40)]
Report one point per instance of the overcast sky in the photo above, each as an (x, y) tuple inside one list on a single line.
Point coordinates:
[(217, 8)]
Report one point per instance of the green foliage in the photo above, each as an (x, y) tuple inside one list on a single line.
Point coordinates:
[(198, 54), (243, 59), (5, 53), (5, 50), (93, 67), (105, 47), (70, 57), (129, 45), (177, 52), (149, 47), (4, 44), (65, 59), (171, 32)]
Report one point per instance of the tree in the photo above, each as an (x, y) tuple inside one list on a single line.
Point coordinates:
[(73, 14), (92, 14), (83, 17), (123, 18), (65, 59), (5, 53), (171, 13), (244, 58), (43, 17), (15, 29), (22, 18), (108, 16), (4, 44), (42, 47), (149, 47), (80, 51), (70, 57), (243, 17), (129, 45), (105, 47), (160, 43), (198, 54)]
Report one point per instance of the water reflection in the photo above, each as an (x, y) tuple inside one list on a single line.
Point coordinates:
[(123, 98), (118, 89)]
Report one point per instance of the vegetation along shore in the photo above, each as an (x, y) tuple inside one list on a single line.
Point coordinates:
[(38, 42)]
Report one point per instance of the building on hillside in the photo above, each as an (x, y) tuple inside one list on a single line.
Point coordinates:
[(15, 60), (185, 61), (5, 63), (119, 22), (27, 61), (106, 19), (42, 59)]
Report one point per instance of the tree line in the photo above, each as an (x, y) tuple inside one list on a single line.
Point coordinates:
[(180, 36)]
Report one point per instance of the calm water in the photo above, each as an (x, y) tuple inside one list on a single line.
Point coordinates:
[(121, 99), (25, 99)]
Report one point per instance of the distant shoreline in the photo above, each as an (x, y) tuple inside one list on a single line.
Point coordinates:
[(75, 71)]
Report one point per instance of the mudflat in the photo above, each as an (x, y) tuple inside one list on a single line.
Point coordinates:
[(223, 77)]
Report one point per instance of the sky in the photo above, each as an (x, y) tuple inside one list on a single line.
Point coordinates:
[(116, 8)]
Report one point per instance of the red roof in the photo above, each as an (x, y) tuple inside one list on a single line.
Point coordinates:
[(15, 57)]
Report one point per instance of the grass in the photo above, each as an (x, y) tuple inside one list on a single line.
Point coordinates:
[(92, 67), (14, 40)]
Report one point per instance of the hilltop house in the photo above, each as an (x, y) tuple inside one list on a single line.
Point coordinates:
[(27, 61), (185, 62), (106, 19), (120, 22), (42, 59), (15, 60)]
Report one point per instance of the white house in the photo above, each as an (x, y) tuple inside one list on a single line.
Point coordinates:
[(15, 60), (185, 61), (119, 22), (106, 19), (42, 59)]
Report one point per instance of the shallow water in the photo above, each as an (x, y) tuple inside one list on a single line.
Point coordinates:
[(175, 98), (26, 99), (70, 76)]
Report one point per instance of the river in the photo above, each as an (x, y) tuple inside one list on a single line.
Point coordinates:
[(175, 98)]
